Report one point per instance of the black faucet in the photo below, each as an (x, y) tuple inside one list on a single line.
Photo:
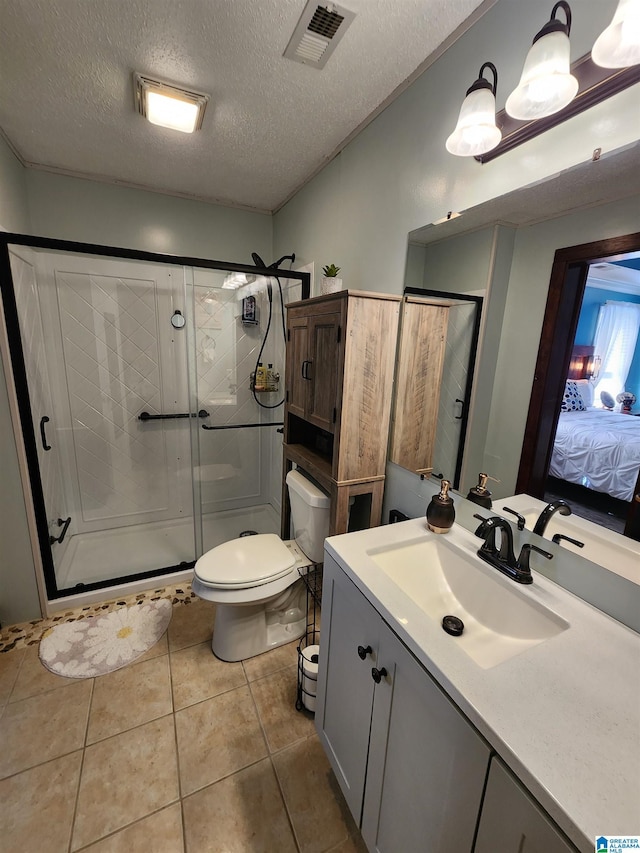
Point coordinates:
[(545, 516), (503, 557), (521, 519), (558, 537)]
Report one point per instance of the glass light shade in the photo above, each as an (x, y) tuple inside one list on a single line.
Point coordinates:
[(175, 113), (619, 45), (546, 85), (476, 131), (167, 105)]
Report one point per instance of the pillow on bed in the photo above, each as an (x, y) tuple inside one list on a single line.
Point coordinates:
[(572, 400), (585, 387)]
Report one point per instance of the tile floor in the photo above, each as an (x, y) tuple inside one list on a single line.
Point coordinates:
[(176, 753)]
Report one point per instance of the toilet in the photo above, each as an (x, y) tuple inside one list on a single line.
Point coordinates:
[(255, 580)]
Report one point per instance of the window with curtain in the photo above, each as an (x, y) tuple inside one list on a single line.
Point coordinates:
[(615, 344)]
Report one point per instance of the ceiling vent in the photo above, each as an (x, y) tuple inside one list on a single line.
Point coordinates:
[(319, 30)]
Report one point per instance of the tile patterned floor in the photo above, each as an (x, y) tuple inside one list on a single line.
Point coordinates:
[(176, 753)]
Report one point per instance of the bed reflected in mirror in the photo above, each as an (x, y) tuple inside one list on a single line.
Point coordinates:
[(595, 458)]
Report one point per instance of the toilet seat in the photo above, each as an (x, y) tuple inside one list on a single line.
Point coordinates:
[(245, 563)]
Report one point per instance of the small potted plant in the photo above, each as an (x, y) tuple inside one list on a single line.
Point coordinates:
[(626, 400), (330, 281)]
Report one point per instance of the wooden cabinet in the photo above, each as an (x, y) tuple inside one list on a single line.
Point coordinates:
[(411, 768), (338, 391), (313, 365), (420, 363), (512, 821)]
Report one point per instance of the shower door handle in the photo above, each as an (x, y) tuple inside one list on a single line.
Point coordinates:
[(43, 421), (64, 524)]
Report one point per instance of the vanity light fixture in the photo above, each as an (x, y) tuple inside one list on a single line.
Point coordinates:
[(546, 85), (619, 45), (476, 131), (169, 106)]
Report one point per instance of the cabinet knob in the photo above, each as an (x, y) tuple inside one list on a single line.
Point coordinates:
[(363, 651), (378, 674)]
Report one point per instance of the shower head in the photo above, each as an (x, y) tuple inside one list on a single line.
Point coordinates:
[(277, 263), (257, 260)]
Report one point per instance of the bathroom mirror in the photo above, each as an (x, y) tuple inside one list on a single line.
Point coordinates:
[(506, 244)]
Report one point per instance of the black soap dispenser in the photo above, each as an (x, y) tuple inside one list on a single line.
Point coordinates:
[(480, 494), (440, 512)]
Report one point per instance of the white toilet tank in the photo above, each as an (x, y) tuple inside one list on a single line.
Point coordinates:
[(309, 515)]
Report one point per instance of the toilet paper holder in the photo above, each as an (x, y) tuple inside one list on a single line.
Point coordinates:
[(308, 672), (308, 648)]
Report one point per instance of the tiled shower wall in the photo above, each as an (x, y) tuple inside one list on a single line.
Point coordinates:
[(238, 466)]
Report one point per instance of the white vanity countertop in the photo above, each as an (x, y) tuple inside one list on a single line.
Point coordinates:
[(564, 715)]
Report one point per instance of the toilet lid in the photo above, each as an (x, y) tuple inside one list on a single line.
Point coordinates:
[(249, 561)]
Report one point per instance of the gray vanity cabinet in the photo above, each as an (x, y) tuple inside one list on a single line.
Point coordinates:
[(512, 822), (412, 769), (350, 639)]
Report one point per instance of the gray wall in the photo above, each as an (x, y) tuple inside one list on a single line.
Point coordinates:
[(14, 215), (87, 211), (18, 590)]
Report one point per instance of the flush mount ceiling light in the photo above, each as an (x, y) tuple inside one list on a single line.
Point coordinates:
[(476, 131), (169, 106), (619, 45), (546, 85)]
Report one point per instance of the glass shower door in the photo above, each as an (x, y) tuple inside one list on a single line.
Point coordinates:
[(105, 356), (238, 321)]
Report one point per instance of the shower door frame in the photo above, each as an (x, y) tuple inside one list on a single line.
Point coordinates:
[(25, 436)]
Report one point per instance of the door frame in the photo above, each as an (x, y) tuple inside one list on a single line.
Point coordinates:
[(564, 302)]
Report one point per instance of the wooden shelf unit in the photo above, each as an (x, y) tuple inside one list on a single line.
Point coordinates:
[(338, 383)]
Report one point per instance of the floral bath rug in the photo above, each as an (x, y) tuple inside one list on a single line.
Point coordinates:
[(91, 647)]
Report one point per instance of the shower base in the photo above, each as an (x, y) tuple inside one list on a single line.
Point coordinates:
[(120, 552)]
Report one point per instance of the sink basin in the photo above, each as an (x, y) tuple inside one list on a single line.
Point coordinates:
[(617, 553), (444, 579)]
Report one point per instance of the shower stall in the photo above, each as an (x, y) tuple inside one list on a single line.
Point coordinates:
[(146, 440)]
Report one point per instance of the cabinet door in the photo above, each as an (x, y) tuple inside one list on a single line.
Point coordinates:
[(427, 765), (297, 366), (345, 686), (418, 381), (512, 822), (324, 355)]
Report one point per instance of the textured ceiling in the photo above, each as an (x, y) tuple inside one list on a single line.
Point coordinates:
[(66, 98)]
